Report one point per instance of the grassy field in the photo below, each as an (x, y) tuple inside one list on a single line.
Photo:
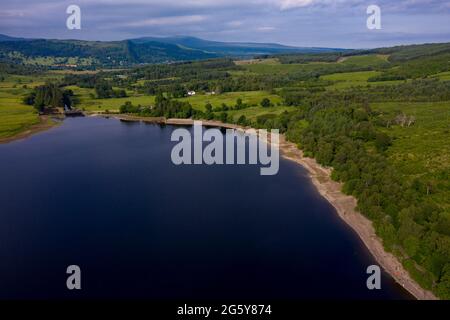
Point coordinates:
[(349, 79), (252, 98), (88, 102), (442, 76), (366, 60), (270, 61), (254, 112), (270, 68), (14, 115), (18, 81), (422, 150), (353, 79)]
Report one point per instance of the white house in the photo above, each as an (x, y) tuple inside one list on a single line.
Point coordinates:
[(191, 93)]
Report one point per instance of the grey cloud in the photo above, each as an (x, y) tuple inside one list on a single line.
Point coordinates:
[(335, 23)]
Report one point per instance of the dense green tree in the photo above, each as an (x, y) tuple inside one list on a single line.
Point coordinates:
[(49, 95), (265, 103), (382, 141), (103, 90), (223, 117)]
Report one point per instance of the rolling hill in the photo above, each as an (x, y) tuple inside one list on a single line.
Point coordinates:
[(131, 52), (239, 49)]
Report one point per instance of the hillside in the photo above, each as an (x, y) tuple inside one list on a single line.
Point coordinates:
[(95, 53), (50, 52), (235, 49), (8, 38)]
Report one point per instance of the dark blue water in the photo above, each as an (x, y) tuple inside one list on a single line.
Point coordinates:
[(105, 195)]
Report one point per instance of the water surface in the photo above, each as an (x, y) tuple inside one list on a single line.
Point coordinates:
[(104, 195)]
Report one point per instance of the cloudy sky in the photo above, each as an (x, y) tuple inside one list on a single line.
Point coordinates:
[(324, 23)]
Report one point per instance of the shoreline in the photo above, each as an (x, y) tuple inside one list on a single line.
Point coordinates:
[(344, 205), (44, 124), (346, 208), (320, 176)]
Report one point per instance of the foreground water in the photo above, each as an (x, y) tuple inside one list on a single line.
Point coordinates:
[(105, 195)]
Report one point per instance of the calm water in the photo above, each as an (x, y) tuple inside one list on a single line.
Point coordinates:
[(105, 195)]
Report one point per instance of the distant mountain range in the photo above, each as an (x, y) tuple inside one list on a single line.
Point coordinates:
[(137, 51), (231, 48), (4, 37)]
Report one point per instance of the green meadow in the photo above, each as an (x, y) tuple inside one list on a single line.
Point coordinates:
[(347, 80), (88, 101), (254, 112), (366, 60), (445, 76), (14, 115), (268, 66), (271, 68), (252, 98)]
